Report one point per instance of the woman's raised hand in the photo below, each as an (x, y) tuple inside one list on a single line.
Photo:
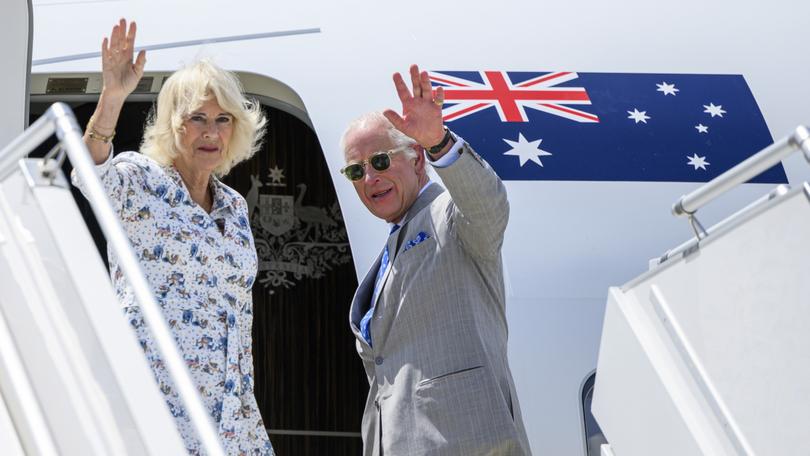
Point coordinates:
[(120, 74)]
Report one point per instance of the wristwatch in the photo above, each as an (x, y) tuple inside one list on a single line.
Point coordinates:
[(438, 147)]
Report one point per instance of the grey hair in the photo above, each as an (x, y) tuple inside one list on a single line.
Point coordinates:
[(377, 119)]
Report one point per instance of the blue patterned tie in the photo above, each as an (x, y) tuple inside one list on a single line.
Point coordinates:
[(365, 323)]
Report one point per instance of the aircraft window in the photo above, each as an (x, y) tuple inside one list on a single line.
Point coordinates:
[(593, 434)]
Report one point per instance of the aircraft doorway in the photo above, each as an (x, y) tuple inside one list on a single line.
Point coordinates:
[(310, 384)]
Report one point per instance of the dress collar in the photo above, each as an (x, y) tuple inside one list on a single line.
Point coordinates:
[(224, 197)]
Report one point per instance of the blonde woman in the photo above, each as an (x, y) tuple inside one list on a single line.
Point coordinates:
[(190, 231)]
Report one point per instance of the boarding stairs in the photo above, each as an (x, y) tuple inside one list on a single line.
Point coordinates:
[(708, 352), (73, 379)]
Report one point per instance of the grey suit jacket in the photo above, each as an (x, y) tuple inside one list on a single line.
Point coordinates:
[(438, 371)]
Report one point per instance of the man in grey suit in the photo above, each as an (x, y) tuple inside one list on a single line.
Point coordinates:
[(430, 316)]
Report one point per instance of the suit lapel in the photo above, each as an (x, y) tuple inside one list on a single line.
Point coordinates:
[(394, 241), (362, 297), (427, 197)]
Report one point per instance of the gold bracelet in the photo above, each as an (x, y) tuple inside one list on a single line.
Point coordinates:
[(93, 134)]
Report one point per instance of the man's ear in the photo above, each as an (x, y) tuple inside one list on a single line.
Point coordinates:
[(420, 158)]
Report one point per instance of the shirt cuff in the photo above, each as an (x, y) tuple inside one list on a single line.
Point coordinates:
[(451, 156), (100, 169)]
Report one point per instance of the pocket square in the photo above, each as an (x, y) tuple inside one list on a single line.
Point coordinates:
[(422, 236)]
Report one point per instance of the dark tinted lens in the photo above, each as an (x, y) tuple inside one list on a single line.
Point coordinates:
[(354, 171), (380, 162)]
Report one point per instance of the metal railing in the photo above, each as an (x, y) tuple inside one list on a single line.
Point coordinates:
[(754, 165), (688, 205), (59, 120)]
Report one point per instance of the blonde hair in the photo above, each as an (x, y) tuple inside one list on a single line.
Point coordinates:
[(185, 91)]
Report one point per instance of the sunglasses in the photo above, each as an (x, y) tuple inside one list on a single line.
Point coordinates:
[(380, 161)]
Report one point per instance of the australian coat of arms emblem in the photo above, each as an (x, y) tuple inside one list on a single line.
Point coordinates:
[(293, 240)]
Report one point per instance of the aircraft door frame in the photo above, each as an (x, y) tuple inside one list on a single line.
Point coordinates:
[(16, 30)]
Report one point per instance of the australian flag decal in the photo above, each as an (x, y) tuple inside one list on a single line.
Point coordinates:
[(606, 126)]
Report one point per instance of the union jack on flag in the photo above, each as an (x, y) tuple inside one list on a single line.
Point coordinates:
[(606, 126), (511, 100)]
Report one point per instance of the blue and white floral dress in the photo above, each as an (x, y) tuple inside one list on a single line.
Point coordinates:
[(201, 267)]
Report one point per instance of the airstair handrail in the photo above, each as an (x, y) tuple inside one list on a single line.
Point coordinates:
[(754, 165), (59, 120)]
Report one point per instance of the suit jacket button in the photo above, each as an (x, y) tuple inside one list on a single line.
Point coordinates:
[(378, 360)]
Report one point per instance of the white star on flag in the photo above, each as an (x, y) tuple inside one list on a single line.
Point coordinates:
[(702, 128), (526, 150), (638, 116), (714, 110), (698, 162), (276, 174), (668, 89)]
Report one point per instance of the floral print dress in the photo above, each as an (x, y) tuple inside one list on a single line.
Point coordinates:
[(201, 267)]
